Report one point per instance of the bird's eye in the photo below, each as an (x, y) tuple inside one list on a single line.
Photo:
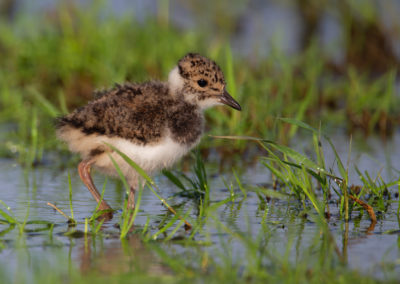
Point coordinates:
[(202, 83)]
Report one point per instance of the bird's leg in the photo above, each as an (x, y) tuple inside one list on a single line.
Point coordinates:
[(131, 199), (84, 173)]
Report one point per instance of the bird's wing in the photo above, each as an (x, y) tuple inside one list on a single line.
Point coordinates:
[(133, 112)]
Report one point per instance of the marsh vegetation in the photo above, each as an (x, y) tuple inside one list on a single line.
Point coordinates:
[(301, 186)]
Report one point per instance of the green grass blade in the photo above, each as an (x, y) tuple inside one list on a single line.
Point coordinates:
[(47, 106), (166, 227), (132, 164), (341, 167), (239, 182), (121, 175), (298, 123), (298, 158), (70, 197), (179, 225), (174, 179), (8, 218), (130, 217)]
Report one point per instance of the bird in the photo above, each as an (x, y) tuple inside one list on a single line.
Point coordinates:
[(154, 123)]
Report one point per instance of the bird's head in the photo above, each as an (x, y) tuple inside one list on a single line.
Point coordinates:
[(201, 82)]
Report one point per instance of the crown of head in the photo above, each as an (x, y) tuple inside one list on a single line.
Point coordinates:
[(200, 80)]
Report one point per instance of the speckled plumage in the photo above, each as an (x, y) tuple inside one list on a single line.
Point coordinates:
[(140, 113), (154, 123)]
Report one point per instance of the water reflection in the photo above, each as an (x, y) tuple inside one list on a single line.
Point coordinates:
[(116, 256), (282, 222)]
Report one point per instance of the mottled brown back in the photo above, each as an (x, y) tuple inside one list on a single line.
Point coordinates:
[(139, 113)]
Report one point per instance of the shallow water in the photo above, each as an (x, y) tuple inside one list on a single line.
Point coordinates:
[(365, 250)]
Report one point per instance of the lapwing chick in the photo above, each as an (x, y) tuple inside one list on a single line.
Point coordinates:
[(154, 123)]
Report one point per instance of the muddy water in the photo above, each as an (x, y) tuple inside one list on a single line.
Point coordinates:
[(32, 251)]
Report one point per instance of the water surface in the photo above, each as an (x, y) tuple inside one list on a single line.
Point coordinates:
[(366, 250)]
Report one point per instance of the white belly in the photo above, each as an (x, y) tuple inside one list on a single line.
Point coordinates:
[(151, 157)]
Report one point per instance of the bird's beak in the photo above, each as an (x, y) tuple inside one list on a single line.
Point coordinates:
[(227, 99)]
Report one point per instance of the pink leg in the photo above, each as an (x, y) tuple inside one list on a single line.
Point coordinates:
[(131, 199), (84, 173)]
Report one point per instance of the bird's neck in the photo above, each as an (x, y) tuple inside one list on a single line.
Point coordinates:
[(175, 82), (176, 90)]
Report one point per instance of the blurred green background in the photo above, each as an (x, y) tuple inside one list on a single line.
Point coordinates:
[(329, 63)]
